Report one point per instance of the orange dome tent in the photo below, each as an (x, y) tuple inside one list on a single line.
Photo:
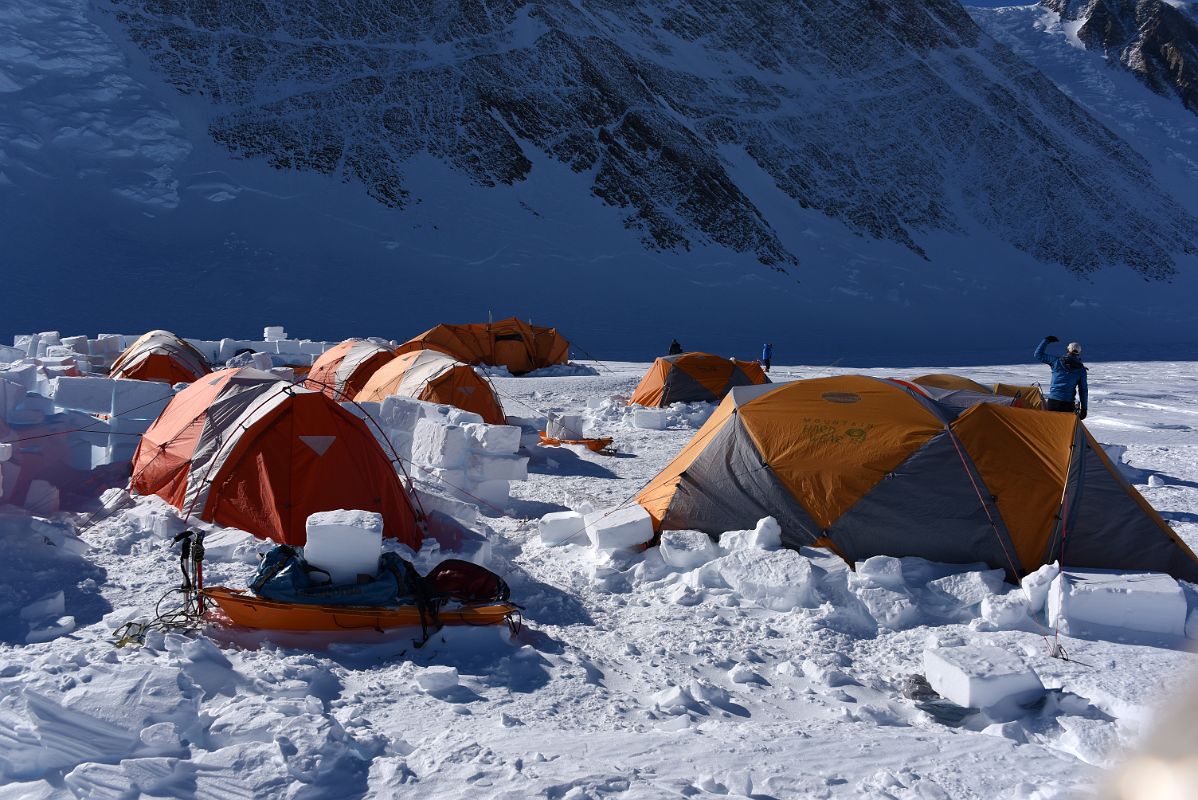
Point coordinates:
[(160, 356), (342, 371), (437, 378), (512, 343), (873, 467), (244, 449), (694, 377)]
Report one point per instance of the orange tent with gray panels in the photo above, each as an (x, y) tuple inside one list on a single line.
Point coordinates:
[(520, 346), (160, 356), (692, 378), (435, 378), (1025, 396), (247, 450), (342, 371), (872, 467)]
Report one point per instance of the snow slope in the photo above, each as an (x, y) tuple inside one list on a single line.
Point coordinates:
[(113, 190), (630, 679)]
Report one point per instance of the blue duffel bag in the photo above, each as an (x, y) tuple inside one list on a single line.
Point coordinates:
[(283, 575)]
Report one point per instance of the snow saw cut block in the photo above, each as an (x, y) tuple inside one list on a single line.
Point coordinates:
[(565, 426), (981, 676), (1088, 601), (345, 543), (90, 395), (497, 439), (615, 530), (438, 445), (651, 419), (139, 399), (561, 527), (687, 549)]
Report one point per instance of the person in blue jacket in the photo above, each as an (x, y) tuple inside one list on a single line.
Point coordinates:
[(767, 353), (1068, 378)]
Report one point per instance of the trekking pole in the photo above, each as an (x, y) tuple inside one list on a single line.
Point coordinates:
[(197, 555)]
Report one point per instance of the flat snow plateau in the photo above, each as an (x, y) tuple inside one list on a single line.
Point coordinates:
[(629, 679)]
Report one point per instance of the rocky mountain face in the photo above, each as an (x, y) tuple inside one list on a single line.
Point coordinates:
[(1156, 40), (899, 118)]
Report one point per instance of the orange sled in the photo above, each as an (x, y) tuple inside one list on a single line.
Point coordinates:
[(248, 611), (597, 445)]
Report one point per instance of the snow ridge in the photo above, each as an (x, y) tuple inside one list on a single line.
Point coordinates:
[(900, 120)]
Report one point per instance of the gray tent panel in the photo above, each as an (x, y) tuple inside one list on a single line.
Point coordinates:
[(1106, 528), (682, 388), (927, 507), (729, 488)]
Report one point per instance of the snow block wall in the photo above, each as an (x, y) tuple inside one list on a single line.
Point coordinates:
[(449, 449)]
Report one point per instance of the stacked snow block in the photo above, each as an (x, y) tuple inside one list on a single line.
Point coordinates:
[(58, 355), (1105, 603), (126, 407), (530, 429), (451, 449)]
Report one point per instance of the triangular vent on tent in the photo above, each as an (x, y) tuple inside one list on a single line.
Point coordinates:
[(319, 444)]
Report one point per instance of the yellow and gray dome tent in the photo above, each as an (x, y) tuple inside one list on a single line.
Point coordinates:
[(876, 467)]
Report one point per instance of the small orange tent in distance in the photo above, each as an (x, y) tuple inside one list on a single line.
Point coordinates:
[(160, 356), (1025, 396), (435, 377), (694, 377), (512, 343), (342, 371), (244, 449), (874, 467)]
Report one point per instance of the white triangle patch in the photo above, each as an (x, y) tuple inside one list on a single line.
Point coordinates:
[(319, 444)]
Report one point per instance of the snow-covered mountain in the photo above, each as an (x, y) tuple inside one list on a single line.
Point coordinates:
[(1156, 40), (848, 180)]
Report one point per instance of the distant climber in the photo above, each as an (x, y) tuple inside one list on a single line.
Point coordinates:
[(767, 353), (1068, 378), (675, 348)]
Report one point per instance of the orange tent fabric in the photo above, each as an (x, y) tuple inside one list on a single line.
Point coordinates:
[(436, 378), (512, 343), (878, 467), (244, 449), (160, 356), (692, 378), (342, 371)]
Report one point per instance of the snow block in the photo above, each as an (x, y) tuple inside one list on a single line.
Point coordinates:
[(624, 527), (401, 413), (91, 395), (651, 419), (1035, 586), (1005, 610), (345, 543), (766, 536), (437, 679), (884, 571), (438, 445), (687, 549), (139, 399), (41, 498), (52, 605), (981, 676), (565, 426), (969, 588), (1081, 601), (781, 580), (52, 630), (495, 494), (486, 467), (273, 333), (561, 527), (497, 439)]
